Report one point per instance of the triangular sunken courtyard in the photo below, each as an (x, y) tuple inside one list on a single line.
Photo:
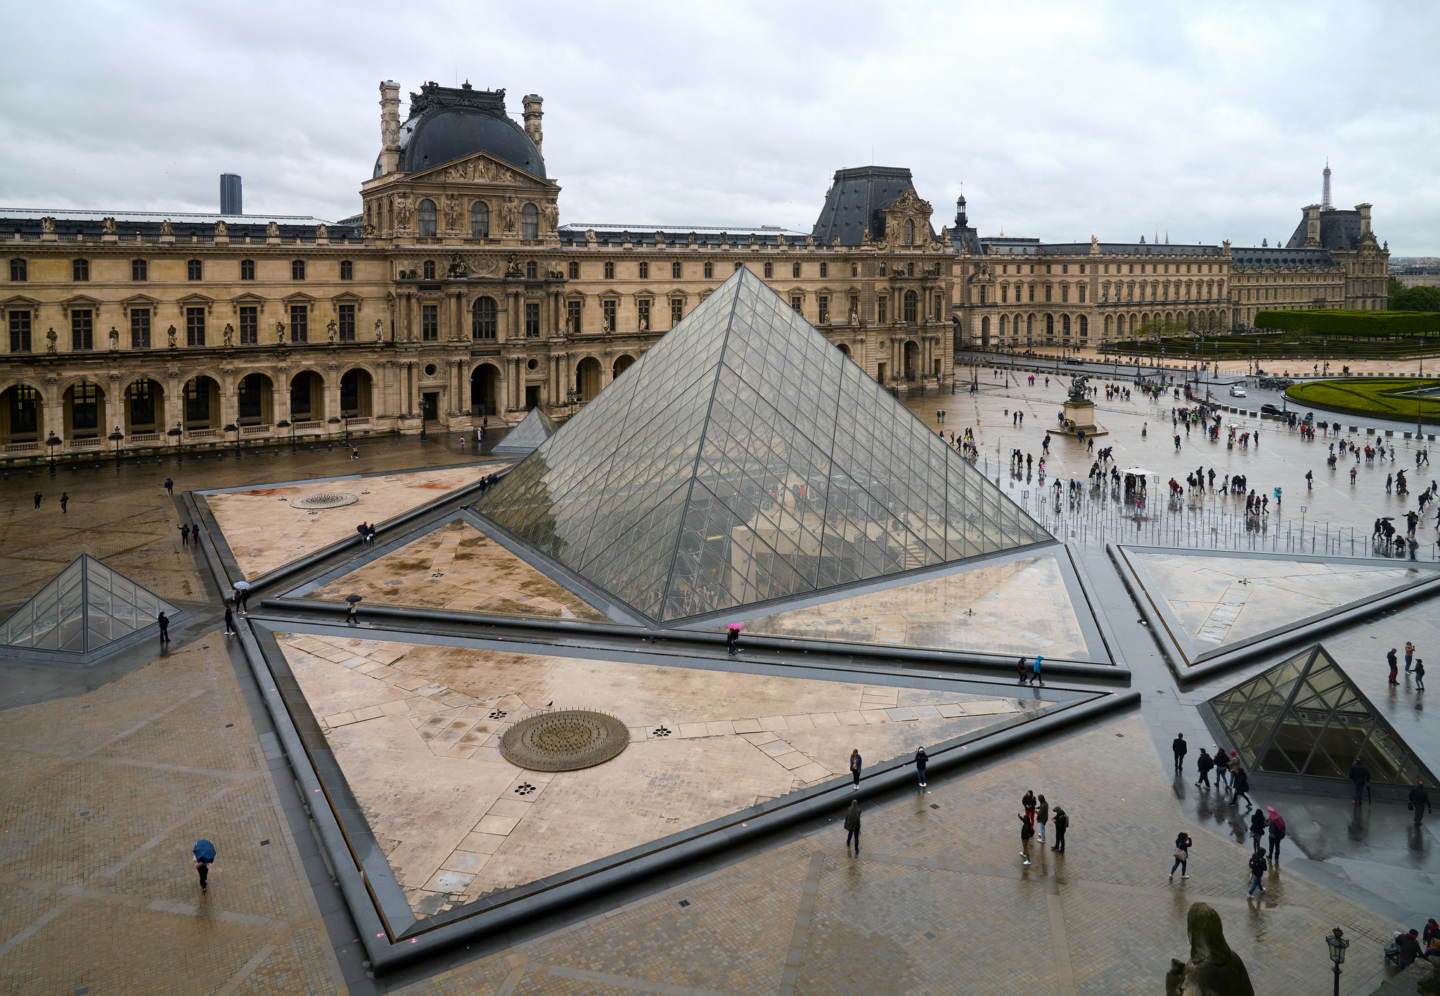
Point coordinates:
[(745, 459)]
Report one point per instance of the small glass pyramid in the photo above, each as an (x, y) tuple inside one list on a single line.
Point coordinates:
[(1304, 716), (745, 458), (533, 429), (82, 614)]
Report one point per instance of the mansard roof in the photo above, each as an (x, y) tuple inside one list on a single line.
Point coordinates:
[(856, 199), (1338, 230)]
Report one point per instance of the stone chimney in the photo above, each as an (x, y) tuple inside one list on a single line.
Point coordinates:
[(533, 114), (1312, 226), (389, 126), (1364, 210)]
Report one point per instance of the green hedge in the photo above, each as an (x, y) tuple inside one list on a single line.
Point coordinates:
[(1352, 323), (1380, 396)]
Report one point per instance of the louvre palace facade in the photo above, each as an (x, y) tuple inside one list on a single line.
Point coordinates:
[(458, 294)]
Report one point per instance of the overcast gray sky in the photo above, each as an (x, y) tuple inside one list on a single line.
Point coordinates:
[(1211, 121)]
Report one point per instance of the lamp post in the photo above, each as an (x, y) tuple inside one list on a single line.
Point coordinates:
[(116, 436), (179, 453), (1335, 940), (233, 427), (287, 424), (52, 442)]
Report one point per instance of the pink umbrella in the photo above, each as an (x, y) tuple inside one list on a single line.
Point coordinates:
[(1276, 818), (735, 627)]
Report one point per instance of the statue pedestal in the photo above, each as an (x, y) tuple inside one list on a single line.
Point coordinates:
[(1080, 416)]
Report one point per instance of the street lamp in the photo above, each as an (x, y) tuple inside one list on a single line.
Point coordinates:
[(1335, 940), (179, 453), (52, 442), (117, 435)]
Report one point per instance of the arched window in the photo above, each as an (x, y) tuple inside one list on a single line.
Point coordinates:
[(483, 318), (912, 302), (479, 220), (909, 232), (1002, 326), (426, 214), (297, 269), (429, 269), (529, 222), (1049, 326), (1065, 325), (1084, 327), (530, 270), (1029, 325)]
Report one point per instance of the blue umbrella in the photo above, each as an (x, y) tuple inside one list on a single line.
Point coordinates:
[(204, 850)]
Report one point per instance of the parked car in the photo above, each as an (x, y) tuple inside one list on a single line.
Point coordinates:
[(1236, 391), (1074, 361)]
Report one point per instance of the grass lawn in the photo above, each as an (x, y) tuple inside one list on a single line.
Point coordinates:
[(1380, 396)]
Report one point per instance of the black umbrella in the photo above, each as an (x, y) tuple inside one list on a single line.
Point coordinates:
[(353, 598)]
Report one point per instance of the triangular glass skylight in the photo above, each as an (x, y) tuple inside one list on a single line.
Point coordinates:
[(745, 458), (1305, 716), (86, 611), (534, 429)]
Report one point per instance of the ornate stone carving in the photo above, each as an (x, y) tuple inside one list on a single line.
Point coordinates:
[(590, 236), (280, 333), (330, 331), (272, 231), (321, 232), (452, 212), (512, 267), (229, 335), (379, 331), (457, 268), (47, 225), (1213, 969), (107, 226), (170, 335), (368, 230), (166, 228), (403, 211), (114, 339), (222, 230)]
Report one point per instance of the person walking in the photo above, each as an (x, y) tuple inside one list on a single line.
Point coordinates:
[(1021, 667), (37, 501), (1360, 777), (1035, 675), (1419, 675), (852, 826), (184, 534), (1409, 654), (1222, 767), (170, 487), (1258, 865), (1257, 829), (195, 534), (855, 768), (1276, 825), (1203, 764), (1242, 787), (921, 759), (1179, 748), (1062, 823), (732, 640), (352, 614), (1393, 679), (1419, 801), (1233, 763), (1027, 831), (204, 854), (229, 620), (65, 500), (1042, 816), (164, 622), (1182, 855)]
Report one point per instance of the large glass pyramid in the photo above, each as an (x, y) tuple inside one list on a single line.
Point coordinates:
[(745, 458), (1305, 716), (532, 430), (87, 611)]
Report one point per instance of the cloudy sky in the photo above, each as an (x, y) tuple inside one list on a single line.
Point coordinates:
[(1209, 121)]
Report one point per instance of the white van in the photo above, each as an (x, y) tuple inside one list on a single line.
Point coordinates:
[(1236, 391)]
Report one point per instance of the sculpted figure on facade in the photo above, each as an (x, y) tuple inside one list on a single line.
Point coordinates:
[(166, 228), (403, 211), (272, 231), (321, 232), (280, 333), (512, 267), (170, 335), (379, 333), (507, 216), (47, 225), (222, 230), (330, 330), (229, 335), (114, 339), (107, 226), (457, 268), (1213, 969), (452, 213)]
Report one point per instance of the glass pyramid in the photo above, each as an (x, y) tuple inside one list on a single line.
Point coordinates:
[(82, 614), (745, 458), (1305, 716), (533, 429)]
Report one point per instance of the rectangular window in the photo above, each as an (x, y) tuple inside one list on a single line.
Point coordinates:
[(19, 272), (607, 314), (642, 307), (1032, 292), (824, 307), (574, 271), (194, 326), (644, 271), (1004, 293), (82, 329), (609, 271), (247, 397), (429, 322), (197, 400), (769, 270), (299, 323), (19, 331), (300, 396), (84, 407), (532, 319), (140, 328), (709, 269), (572, 316), (882, 305), (854, 308), (24, 411), (247, 269), (139, 270), (347, 270), (1065, 293), (1081, 289), (677, 310), (824, 269), (795, 302), (142, 403), (297, 269), (80, 269), (675, 271), (194, 270), (346, 321), (249, 325)]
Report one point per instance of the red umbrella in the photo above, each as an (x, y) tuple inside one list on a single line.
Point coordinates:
[(1276, 818)]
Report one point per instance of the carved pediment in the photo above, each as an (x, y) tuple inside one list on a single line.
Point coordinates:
[(909, 202), (479, 168)]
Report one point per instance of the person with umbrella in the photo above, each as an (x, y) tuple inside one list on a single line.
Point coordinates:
[(352, 614), (1276, 824), (732, 638), (204, 857), (242, 593)]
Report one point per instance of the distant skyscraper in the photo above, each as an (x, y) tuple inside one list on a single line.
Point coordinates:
[(1325, 204), (230, 193)]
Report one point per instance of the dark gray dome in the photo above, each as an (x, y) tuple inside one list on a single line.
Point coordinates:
[(449, 123)]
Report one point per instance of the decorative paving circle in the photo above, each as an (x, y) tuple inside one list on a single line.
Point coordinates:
[(565, 740), (326, 499)]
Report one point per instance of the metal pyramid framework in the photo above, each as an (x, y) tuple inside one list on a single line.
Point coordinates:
[(532, 430), (1306, 717), (745, 458), (86, 612)]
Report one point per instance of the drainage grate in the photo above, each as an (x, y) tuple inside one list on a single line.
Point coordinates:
[(660, 731), (525, 789), (934, 806), (499, 714), (684, 902), (265, 841)]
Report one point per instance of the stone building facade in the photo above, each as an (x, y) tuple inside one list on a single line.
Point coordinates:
[(455, 294)]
